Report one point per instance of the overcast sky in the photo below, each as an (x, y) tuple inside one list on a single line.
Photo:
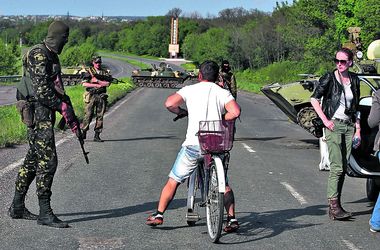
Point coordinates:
[(127, 7)]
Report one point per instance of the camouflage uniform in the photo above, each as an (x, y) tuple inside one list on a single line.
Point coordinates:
[(227, 78), (41, 159), (95, 100), (229, 82), (42, 76)]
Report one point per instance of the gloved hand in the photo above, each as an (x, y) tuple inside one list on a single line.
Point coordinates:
[(67, 112)]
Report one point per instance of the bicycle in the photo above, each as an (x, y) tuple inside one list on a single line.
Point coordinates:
[(215, 139)]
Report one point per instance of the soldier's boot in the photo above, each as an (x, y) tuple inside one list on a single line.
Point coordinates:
[(17, 210), (47, 217), (336, 212), (97, 137)]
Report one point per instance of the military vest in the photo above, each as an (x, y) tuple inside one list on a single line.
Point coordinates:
[(24, 86)]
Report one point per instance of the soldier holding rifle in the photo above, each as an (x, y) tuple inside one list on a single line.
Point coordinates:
[(40, 94)]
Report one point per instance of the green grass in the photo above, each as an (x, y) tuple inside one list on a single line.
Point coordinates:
[(14, 131), (7, 83), (130, 61), (189, 66), (282, 72)]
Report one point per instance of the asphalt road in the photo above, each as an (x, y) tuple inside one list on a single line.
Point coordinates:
[(280, 193)]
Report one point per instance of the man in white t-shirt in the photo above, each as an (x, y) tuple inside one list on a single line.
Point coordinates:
[(205, 101)]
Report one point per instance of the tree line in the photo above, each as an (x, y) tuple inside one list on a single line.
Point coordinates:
[(306, 31)]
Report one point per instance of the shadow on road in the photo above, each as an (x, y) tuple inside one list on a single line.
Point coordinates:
[(121, 212), (258, 138), (258, 226), (142, 138)]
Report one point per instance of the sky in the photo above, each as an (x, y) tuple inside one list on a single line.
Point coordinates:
[(127, 7)]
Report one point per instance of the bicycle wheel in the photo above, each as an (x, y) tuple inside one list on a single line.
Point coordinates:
[(215, 205), (192, 215)]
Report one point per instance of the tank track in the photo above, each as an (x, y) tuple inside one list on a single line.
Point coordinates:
[(305, 117)]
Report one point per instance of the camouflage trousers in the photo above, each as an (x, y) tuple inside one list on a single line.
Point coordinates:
[(40, 161), (94, 104)]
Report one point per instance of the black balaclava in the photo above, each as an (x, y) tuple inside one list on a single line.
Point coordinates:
[(225, 67), (57, 37)]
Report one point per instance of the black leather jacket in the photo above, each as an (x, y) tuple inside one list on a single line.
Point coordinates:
[(331, 90)]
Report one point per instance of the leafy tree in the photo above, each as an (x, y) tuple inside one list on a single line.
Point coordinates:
[(77, 55), (8, 60)]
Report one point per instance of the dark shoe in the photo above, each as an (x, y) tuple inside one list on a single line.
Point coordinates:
[(97, 138), (336, 212), (154, 220), (47, 217), (51, 220), (231, 226), (21, 213)]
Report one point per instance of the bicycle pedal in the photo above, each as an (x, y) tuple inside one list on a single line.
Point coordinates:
[(192, 217)]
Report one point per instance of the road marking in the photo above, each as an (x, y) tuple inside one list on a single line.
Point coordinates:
[(294, 193), (349, 245), (248, 148), (12, 166)]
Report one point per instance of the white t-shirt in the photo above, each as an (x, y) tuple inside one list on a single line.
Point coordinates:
[(339, 113), (197, 97)]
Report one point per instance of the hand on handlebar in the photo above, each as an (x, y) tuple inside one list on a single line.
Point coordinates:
[(181, 114)]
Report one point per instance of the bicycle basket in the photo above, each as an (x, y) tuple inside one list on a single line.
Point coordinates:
[(216, 136)]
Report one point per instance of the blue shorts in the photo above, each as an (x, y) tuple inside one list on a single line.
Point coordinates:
[(186, 163)]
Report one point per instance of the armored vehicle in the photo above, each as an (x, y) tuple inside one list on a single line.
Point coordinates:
[(72, 75), (159, 77), (294, 100)]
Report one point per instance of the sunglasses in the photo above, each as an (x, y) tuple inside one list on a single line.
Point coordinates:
[(343, 62)]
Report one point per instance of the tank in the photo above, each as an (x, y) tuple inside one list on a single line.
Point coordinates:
[(72, 75), (162, 76), (294, 100)]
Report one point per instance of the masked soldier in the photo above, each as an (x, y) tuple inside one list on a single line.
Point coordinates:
[(227, 78), (95, 97), (40, 94)]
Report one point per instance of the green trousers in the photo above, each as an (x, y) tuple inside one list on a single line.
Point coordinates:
[(339, 143)]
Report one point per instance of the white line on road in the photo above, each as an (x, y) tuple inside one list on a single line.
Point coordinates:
[(248, 148), (12, 166), (294, 193), (349, 245)]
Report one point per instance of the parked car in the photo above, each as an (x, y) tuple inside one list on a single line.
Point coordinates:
[(294, 100)]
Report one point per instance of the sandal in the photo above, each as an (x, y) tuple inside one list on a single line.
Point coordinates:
[(231, 226), (154, 220)]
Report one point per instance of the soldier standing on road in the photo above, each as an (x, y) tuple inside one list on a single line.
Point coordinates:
[(227, 78), (39, 96), (95, 98)]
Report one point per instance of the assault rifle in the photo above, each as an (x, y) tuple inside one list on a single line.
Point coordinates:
[(108, 78), (61, 126)]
